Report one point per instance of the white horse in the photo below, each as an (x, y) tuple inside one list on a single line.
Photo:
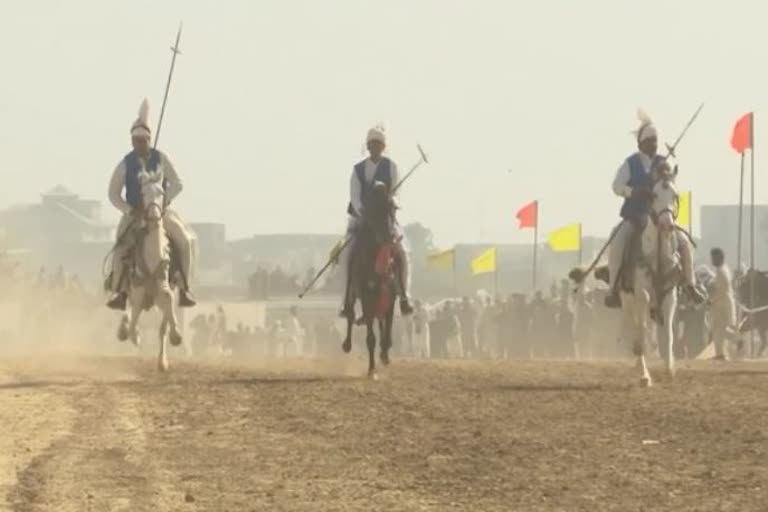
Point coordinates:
[(656, 276), (149, 283)]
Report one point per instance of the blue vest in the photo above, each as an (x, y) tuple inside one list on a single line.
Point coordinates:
[(633, 208), (132, 170), (382, 174)]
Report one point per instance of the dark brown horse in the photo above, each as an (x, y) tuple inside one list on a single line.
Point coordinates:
[(757, 321), (372, 275)]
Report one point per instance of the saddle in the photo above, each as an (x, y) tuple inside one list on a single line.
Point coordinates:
[(130, 261), (633, 256)]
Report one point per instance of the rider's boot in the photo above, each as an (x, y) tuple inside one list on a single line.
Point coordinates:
[(613, 300), (119, 302), (406, 308), (186, 299)]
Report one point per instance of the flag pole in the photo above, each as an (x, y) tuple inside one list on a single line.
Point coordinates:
[(752, 221), (580, 244), (739, 312), (455, 282), (752, 195), (535, 245), (690, 212), (739, 241)]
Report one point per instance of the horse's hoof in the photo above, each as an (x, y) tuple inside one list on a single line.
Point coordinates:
[(346, 346), (385, 358), (122, 334), (136, 340), (372, 375), (646, 382), (175, 338), (162, 366), (671, 373)]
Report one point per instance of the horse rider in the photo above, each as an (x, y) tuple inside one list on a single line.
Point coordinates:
[(722, 304), (634, 182), (126, 177), (375, 168)]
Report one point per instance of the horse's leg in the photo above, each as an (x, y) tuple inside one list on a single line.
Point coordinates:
[(370, 341), (122, 330), (162, 359), (164, 302), (641, 331), (135, 303), (385, 328), (763, 335), (666, 332), (347, 345)]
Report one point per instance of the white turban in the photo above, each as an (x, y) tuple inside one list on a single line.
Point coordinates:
[(140, 127), (647, 129), (376, 133)]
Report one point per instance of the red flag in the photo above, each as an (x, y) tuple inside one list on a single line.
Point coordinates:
[(528, 215), (742, 133)]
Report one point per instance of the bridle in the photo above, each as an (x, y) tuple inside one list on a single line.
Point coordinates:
[(665, 179)]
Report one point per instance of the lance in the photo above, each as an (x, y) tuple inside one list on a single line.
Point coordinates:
[(422, 160), (671, 149), (348, 240), (176, 51)]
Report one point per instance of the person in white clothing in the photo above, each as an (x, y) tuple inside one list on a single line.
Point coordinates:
[(126, 178), (722, 305), (634, 182), (375, 168)]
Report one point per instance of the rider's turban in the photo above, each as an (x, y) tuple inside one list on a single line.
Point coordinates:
[(647, 129), (140, 127), (377, 133)]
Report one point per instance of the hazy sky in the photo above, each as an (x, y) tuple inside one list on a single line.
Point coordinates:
[(271, 101)]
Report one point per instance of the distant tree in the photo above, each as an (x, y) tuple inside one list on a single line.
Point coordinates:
[(420, 238)]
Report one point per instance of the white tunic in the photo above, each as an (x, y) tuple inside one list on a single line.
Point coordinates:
[(356, 191), (722, 297), (117, 183)]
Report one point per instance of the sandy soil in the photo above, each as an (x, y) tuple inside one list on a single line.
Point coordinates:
[(110, 434)]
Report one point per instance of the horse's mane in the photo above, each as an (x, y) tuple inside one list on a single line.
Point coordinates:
[(378, 213)]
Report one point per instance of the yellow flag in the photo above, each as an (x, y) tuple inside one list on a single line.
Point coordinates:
[(565, 239), (684, 210), (484, 263), (441, 260)]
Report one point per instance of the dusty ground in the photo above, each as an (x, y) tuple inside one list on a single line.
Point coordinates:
[(108, 434)]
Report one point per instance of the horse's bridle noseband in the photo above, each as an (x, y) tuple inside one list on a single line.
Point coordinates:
[(655, 215)]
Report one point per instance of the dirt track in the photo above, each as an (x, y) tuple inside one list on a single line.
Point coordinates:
[(111, 434)]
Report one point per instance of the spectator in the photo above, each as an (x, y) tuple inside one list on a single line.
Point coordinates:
[(468, 315)]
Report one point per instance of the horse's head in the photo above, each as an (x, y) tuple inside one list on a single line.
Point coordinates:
[(757, 279), (666, 199), (379, 212), (153, 195)]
